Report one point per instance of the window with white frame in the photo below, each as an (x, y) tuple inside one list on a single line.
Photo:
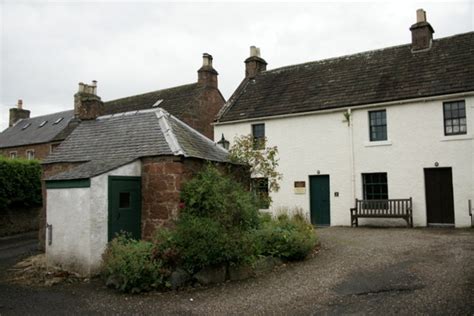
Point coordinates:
[(258, 134), (377, 125), (454, 118), (30, 154)]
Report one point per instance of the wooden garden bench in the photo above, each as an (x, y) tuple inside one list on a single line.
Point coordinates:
[(391, 208)]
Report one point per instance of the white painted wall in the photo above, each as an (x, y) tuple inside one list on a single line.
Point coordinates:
[(79, 217), (416, 141)]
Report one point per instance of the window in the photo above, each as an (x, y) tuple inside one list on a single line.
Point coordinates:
[(378, 125), (25, 126), (454, 118), (43, 123), (258, 134), (260, 189), (375, 186), (58, 120), (124, 200), (53, 147), (13, 154), (30, 154)]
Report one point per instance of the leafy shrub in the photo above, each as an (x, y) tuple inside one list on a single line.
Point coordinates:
[(212, 195), (287, 237), (131, 265), (20, 183)]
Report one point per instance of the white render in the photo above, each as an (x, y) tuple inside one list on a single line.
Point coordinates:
[(79, 219), (320, 143)]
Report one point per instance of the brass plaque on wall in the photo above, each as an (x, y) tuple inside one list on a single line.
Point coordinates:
[(300, 187)]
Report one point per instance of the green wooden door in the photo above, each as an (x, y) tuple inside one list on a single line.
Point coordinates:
[(319, 200), (124, 206)]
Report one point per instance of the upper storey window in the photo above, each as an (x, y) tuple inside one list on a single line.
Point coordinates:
[(258, 134), (378, 125), (454, 118)]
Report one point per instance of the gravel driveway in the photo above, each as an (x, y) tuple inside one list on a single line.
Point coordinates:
[(362, 270)]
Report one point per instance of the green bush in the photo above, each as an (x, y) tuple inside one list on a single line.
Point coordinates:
[(212, 195), (20, 183), (286, 237), (130, 265), (203, 242)]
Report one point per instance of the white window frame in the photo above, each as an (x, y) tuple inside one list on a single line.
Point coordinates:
[(32, 151)]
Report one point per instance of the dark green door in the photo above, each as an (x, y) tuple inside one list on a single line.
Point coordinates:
[(319, 200), (124, 206)]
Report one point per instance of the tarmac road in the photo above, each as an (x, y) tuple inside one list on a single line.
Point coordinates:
[(358, 271)]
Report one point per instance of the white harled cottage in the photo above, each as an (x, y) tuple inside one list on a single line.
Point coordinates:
[(394, 123)]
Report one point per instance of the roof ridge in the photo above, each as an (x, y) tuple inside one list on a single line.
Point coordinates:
[(168, 133), (120, 114), (150, 92), (353, 55)]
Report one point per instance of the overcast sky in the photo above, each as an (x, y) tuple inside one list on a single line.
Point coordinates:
[(131, 48)]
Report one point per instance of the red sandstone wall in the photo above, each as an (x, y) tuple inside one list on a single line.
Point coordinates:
[(41, 150)]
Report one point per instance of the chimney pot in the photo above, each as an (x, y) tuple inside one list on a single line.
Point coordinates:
[(420, 15), (20, 104), (253, 51), (206, 60)]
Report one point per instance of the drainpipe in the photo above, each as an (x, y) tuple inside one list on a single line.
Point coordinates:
[(351, 139)]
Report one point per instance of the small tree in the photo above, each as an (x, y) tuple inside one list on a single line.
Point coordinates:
[(262, 160)]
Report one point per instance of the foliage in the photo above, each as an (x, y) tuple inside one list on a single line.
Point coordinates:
[(263, 162), (220, 198), (20, 183), (131, 264), (219, 224), (287, 237)]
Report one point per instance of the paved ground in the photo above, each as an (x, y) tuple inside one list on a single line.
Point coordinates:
[(357, 271)]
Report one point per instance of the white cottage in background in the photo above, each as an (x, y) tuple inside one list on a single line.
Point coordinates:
[(391, 123)]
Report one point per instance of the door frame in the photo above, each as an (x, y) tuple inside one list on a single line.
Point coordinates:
[(109, 198), (329, 204), (426, 199)]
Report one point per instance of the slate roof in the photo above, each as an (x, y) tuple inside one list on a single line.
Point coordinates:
[(175, 100), (389, 74), (114, 140), (34, 134)]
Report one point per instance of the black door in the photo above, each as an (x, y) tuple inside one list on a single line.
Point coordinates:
[(439, 196), (124, 206), (319, 200)]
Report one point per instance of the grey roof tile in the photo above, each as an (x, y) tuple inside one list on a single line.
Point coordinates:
[(34, 134), (175, 100), (389, 74), (114, 140)]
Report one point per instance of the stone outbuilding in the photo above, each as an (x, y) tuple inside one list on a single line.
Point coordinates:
[(120, 172)]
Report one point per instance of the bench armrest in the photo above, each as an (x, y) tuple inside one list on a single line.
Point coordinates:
[(353, 210)]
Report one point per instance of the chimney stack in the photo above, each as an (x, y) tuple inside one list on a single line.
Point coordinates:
[(207, 75), (18, 113), (254, 64), (87, 104), (421, 32)]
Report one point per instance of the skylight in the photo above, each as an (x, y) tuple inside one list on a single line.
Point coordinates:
[(58, 120), (26, 126), (157, 103), (43, 123)]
